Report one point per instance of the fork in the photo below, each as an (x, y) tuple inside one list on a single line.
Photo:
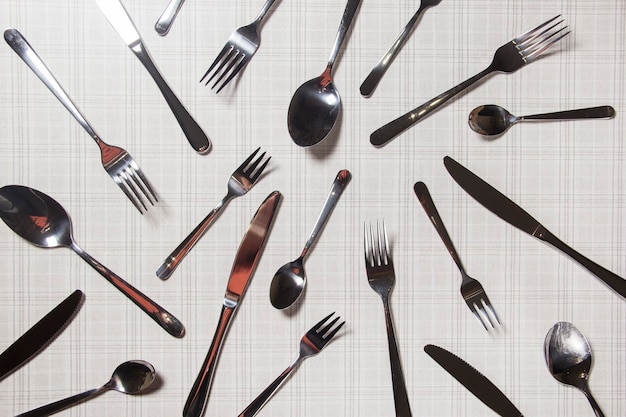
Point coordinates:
[(381, 277), (239, 183), (238, 51), (508, 58), (311, 344), (472, 291), (115, 160)]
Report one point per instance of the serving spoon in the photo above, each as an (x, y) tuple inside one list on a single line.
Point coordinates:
[(491, 120), (290, 279), (568, 356), (42, 221), (130, 377), (315, 105)]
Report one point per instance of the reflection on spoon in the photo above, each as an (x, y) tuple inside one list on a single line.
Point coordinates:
[(490, 119), (130, 377), (568, 356)]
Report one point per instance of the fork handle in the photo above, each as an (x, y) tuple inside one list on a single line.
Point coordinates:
[(392, 129)]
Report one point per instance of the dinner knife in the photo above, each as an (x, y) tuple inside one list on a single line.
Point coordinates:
[(513, 214), (245, 261), (474, 381), (116, 14), (40, 335)]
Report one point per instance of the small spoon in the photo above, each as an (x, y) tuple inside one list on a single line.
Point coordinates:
[(290, 279), (568, 356), (490, 119), (315, 105), (130, 377), (42, 221)]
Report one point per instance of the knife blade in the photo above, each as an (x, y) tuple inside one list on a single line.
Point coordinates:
[(510, 212), (39, 335), (245, 262), (474, 381)]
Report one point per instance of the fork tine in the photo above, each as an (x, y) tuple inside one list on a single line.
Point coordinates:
[(124, 183), (232, 75), (259, 171), (539, 47), (474, 309), (237, 58), (227, 63), (254, 164), (132, 174), (139, 173), (526, 35), (489, 309), (323, 327), (226, 49)]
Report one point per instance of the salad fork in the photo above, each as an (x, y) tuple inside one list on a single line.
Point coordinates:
[(472, 291), (311, 344), (238, 51), (508, 58), (381, 277), (239, 183), (115, 160)]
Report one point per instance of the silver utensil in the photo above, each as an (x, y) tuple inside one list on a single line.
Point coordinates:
[(374, 77), (311, 344), (289, 281), (42, 221), (116, 14), (238, 51), (116, 161), (130, 377), (508, 58), (165, 21), (315, 105), (568, 356), (381, 277), (472, 291), (490, 119), (239, 183)]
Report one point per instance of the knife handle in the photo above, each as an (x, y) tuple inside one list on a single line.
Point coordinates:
[(617, 283), (163, 25)]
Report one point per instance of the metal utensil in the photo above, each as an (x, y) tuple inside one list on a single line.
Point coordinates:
[(116, 161), (163, 25), (311, 344), (42, 221), (508, 58)]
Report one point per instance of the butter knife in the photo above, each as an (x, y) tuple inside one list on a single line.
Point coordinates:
[(245, 261), (116, 14), (474, 381), (513, 214), (40, 335)]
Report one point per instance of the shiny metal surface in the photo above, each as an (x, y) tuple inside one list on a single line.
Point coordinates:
[(238, 51), (164, 24), (315, 105), (239, 183), (311, 344), (373, 78), (245, 262), (513, 214), (130, 377), (491, 119), (42, 221), (120, 20), (508, 58), (289, 281), (568, 356), (116, 161), (472, 291)]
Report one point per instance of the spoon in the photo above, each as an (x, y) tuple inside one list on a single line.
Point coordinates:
[(42, 221), (568, 356), (315, 105), (290, 279), (490, 119), (130, 377)]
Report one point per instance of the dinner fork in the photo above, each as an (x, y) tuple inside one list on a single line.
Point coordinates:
[(381, 277), (472, 291), (239, 183), (508, 58), (238, 51), (311, 344), (115, 160)]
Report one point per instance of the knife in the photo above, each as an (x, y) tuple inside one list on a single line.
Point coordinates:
[(513, 214), (474, 381), (245, 261), (40, 335), (116, 14)]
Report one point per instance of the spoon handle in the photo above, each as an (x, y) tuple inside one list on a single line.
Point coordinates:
[(594, 405), (166, 320), (166, 19), (346, 20), (55, 407), (599, 112)]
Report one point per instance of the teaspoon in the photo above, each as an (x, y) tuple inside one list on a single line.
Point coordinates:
[(490, 119)]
